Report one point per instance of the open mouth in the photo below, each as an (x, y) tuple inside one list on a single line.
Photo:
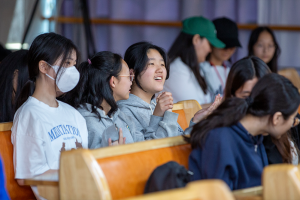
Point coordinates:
[(158, 78)]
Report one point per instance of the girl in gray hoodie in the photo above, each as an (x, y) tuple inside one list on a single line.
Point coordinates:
[(150, 66), (104, 80)]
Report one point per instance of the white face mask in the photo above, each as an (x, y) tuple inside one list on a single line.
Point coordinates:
[(67, 78)]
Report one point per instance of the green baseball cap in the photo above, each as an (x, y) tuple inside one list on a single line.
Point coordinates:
[(203, 27)]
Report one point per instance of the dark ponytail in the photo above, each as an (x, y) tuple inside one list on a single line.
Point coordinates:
[(272, 93), (93, 86), (48, 47), (26, 91)]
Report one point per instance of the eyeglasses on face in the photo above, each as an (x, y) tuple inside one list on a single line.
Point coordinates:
[(131, 76)]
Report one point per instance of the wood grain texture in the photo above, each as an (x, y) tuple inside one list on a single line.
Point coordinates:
[(178, 24), (15, 191), (281, 181), (292, 75), (202, 190), (48, 192), (127, 174), (182, 121), (5, 126), (137, 147), (80, 177), (49, 179), (190, 107)]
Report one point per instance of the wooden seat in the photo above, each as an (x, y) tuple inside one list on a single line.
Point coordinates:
[(281, 181), (204, 190), (190, 107), (117, 172), (178, 108), (292, 75), (6, 152)]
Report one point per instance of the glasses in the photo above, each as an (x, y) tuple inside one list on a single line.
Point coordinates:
[(296, 121), (131, 76)]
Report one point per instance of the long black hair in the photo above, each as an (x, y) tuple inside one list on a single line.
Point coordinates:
[(272, 93), (183, 47), (273, 64), (93, 86), (137, 59), (243, 70), (48, 47), (14, 63)]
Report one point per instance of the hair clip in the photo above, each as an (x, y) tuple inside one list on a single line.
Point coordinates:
[(89, 61)]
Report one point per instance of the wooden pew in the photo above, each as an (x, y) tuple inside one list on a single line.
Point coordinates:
[(117, 172), (6, 152), (190, 107), (182, 121), (121, 172), (204, 190), (91, 169)]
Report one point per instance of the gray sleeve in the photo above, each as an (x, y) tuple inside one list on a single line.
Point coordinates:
[(94, 132), (166, 127), (190, 128)]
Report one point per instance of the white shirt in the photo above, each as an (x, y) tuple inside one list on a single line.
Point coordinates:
[(215, 77), (183, 84), (41, 132)]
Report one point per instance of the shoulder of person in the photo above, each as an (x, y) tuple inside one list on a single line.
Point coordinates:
[(221, 134), (178, 66)]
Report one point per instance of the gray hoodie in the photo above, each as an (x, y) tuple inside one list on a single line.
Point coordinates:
[(152, 126), (97, 130)]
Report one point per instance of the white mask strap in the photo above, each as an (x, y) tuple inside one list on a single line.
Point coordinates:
[(50, 76)]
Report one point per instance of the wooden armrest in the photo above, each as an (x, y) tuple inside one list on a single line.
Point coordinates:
[(49, 178)]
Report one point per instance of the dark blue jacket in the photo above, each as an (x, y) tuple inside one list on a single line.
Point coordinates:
[(3, 194), (230, 154)]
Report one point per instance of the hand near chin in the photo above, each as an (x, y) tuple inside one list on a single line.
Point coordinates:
[(164, 102), (203, 113)]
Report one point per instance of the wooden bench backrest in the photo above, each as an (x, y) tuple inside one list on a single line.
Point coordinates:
[(6, 152), (202, 190), (292, 75), (190, 107), (182, 121), (281, 181), (123, 169)]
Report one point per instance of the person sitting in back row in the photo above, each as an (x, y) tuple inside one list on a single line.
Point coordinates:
[(242, 77), (227, 145), (189, 49), (217, 66)]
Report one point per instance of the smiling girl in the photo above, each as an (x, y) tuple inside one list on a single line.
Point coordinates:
[(105, 79), (154, 118)]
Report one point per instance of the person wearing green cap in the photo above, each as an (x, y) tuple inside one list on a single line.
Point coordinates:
[(189, 49)]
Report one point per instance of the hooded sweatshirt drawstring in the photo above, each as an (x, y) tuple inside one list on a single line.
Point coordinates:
[(151, 108)]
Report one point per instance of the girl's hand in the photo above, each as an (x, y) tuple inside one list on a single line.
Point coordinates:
[(203, 113), (121, 140), (164, 102)]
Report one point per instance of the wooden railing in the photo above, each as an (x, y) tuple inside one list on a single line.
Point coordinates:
[(78, 20)]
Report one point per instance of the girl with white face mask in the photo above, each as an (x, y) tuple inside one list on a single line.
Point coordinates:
[(43, 127)]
